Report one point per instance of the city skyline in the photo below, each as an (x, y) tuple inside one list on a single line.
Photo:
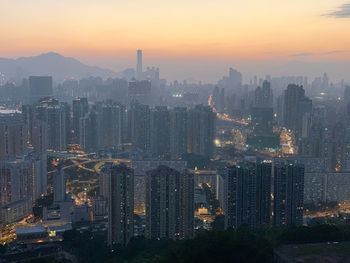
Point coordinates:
[(187, 131), (196, 40)]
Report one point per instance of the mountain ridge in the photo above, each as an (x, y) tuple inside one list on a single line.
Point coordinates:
[(52, 64)]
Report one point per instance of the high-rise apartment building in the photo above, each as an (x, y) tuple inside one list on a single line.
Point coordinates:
[(347, 95), (80, 109), (247, 195), (18, 176), (288, 192), (140, 91), (296, 107), (178, 132), (120, 204), (39, 170), (111, 121), (139, 119), (13, 135), (234, 79), (88, 130), (201, 131), (16, 189), (59, 185), (38, 142), (169, 203), (262, 121), (56, 115), (40, 87), (337, 148), (264, 96), (160, 132)]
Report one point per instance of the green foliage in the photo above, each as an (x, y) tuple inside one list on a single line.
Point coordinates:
[(144, 250), (3, 249), (222, 246), (318, 233), (87, 247), (241, 245), (44, 260), (213, 246), (218, 223)]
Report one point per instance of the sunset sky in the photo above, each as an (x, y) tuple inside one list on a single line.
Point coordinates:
[(203, 36)]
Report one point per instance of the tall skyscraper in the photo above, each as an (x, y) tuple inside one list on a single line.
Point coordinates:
[(186, 228), (80, 109), (37, 138), (218, 98), (296, 105), (37, 129), (139, 118), (139, 72), (247, 195), (56, 116), (16, 174), (201, 131), (235, 79), (140, 91), (39, 170), (160, 132), (103, 127), (347, 101), (263, 194), (337, 148), (264, 96), (262, 136), (111, 121), (120, 204), (13, 134), (40, 87), (314, 145), (347, 95), (16, 189), (288, 192), (59, 185), (231, 82), (88, 132), (262, 121), (178, 132), (169, 203)]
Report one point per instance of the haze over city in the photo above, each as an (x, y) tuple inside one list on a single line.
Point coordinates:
[(194, 40), (174, 131)]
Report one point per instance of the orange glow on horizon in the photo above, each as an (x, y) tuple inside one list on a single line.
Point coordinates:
[(243, 29)]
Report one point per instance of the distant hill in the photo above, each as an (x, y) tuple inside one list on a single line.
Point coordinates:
[(50, 64)]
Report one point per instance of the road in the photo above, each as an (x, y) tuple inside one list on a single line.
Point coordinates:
[(343, 207), (224, 116)]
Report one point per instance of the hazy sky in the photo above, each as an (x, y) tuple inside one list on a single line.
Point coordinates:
[(184, 37)]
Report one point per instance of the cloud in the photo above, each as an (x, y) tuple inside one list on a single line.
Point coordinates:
[(303, 54), (325, 53), (332, 52), (342, 11)]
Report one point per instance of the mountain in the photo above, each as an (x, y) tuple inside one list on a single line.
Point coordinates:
[(49, 64)]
